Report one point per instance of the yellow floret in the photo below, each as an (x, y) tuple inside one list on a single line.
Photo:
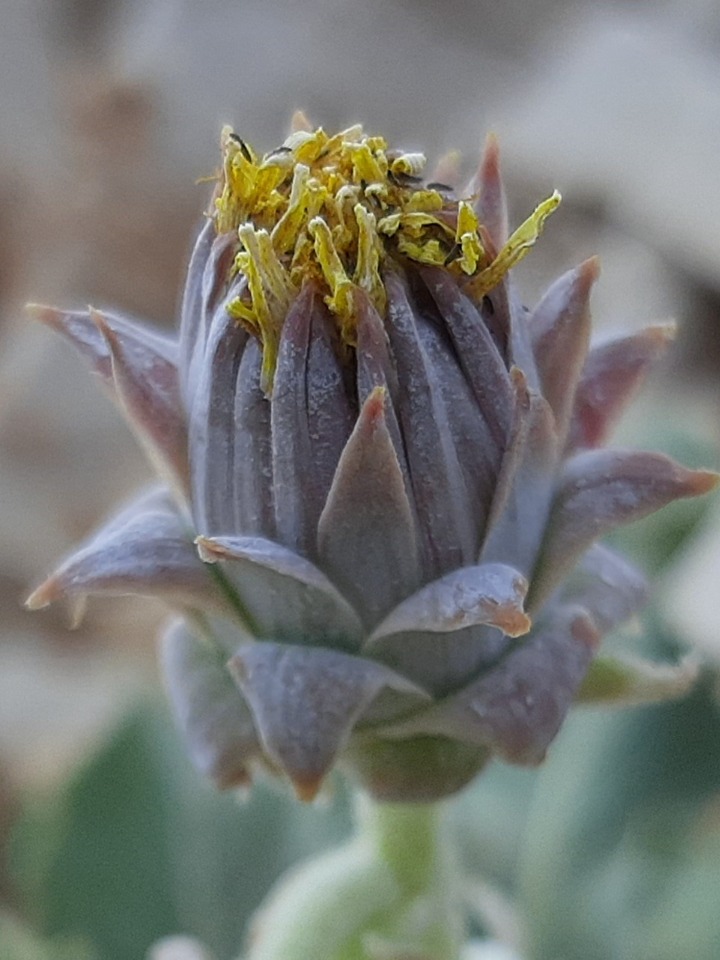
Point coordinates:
[(515, 249), (468, 238), (341, 287), (332, 209)]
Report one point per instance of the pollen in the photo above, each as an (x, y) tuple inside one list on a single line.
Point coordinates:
[(334, 209)]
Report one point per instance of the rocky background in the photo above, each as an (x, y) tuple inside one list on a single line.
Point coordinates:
[(109, 114)]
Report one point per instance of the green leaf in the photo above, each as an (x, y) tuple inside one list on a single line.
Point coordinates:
[(626, 681), (607, 840), (19, 942), (96, 860), (686, 920), (137, 846)]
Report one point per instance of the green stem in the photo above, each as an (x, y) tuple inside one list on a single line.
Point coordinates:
[(391, 892), (407, 838), (412, 842)]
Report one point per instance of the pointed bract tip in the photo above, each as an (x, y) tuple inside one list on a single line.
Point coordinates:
[(512, 621), (701, 481), (373, 410), (48, 592), (300, 123), (629, 681), (521, 390), (518, 377), (209, 550), (490, 159), (233, 778), (106, 332), (52, 590), (50, 316), (307, 787), (588, 272), (510, 616), (660, 334), (78, 609), (584, 632), (519, 382), (101, 322)]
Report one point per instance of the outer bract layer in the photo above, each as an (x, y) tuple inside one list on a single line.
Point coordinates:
[(383, 477)]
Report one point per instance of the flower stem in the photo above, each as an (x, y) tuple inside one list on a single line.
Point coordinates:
[(412, 842), (390, 893)]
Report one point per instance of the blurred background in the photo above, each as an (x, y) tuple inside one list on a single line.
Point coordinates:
[(110, 111)]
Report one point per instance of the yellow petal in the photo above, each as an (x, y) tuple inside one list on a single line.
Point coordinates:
[(514, 250)]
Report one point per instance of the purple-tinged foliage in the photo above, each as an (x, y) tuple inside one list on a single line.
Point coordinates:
[(384, 478)]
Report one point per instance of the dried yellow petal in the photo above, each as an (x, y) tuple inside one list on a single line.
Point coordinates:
[(515, 249)]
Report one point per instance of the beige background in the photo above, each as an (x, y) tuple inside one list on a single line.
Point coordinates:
[(109, 112)]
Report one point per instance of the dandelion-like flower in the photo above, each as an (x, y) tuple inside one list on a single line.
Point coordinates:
[(383, 477)]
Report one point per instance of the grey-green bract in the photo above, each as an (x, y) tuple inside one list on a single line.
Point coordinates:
[(382, 478)]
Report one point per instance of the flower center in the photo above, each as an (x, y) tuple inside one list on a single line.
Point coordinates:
[(331, 209)]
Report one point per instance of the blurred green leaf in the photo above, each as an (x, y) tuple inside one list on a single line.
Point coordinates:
[(607, 841), (488, 819), (136, 846), (96, 860), (18, 942), (686, 919), (229, 853)]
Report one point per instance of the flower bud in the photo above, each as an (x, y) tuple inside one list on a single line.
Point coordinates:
[(383, 479)]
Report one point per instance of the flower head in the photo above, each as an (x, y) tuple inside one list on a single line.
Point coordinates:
[(383, 476)]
